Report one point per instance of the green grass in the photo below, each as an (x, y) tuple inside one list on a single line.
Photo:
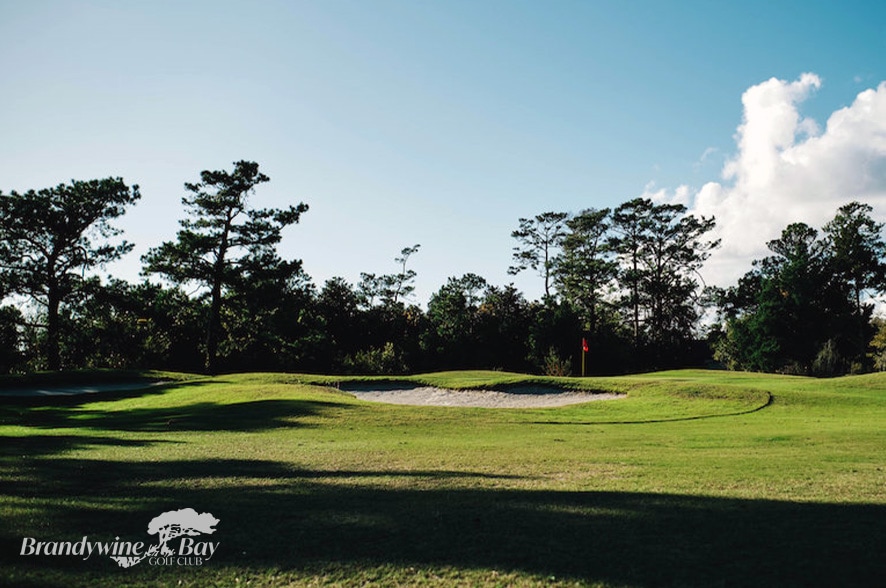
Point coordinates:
[(695, 479)]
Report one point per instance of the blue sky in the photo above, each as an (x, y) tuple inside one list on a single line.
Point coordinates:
[(442, 123)]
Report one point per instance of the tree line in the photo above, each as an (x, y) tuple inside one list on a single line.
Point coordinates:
[(806, 308), (621, 283)]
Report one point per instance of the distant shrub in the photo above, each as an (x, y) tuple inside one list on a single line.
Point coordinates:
[(792, 369), (385, 360), (828, 361), (556, 365)]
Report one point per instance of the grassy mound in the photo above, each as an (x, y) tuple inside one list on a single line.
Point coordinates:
[(695, 479)]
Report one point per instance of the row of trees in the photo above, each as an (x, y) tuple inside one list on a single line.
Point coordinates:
[(624, 280), (807, 308), (628, 273)]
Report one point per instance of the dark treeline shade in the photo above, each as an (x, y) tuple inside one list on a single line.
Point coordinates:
[(625, 280)]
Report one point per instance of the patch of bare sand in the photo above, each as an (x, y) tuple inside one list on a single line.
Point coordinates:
[(516, 397)]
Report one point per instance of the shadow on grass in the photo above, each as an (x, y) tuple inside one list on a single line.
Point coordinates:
[(75, 378), (61, 400), (293, 520), (256, 415), (31, 446)]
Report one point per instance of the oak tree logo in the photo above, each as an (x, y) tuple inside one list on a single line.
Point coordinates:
[(175, 524), (184, 525)]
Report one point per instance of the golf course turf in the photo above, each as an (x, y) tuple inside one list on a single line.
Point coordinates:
[(696, 478)]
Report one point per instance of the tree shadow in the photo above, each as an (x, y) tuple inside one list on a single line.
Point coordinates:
[(150, 388), (253, 416), (377, 386), (74, 413), (43, 445), (275, 516)]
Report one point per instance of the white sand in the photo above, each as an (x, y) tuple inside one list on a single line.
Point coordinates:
[(520, 397)]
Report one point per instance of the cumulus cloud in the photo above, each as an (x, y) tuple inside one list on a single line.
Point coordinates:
[(681, 195), (788, 169)]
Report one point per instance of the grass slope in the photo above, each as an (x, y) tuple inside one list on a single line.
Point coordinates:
[(695, 479)]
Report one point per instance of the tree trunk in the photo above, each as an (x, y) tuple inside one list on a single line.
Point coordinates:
[(635, 291), (213, 331), (213, 328), (547, 276), (53, 354)]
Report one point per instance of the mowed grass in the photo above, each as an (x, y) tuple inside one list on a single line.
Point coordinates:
[(694, 479)]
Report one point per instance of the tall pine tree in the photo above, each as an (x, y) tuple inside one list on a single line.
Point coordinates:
[(223, 240)]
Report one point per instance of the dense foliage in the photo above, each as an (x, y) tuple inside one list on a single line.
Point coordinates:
[(229, 249), (803, 309), (621, 283), (50, 237)]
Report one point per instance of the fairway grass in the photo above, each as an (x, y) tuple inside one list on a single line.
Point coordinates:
[(696, 478)]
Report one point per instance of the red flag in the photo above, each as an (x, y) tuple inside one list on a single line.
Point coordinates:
[(584, 344)]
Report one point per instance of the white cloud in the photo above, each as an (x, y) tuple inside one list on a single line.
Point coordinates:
[(786, 169), (681, 195)]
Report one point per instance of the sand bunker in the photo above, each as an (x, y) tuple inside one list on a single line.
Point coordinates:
[(516, 397)]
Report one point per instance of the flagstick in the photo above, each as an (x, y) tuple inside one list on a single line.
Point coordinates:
[(583, 354)]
